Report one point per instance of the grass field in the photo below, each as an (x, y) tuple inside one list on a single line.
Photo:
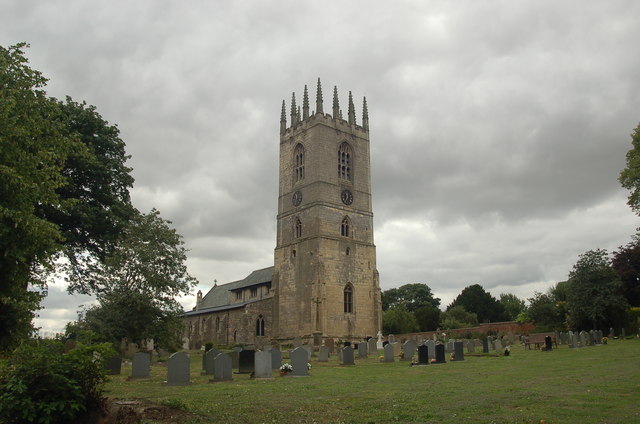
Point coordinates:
[(598, 384)]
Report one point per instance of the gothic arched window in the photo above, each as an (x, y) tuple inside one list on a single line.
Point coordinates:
[(298, 228), (217, 324), (345, 160), (260, 326), (348, 299), (298, 162), (344, 227)]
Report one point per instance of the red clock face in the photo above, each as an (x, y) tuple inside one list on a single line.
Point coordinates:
[(347, 197)]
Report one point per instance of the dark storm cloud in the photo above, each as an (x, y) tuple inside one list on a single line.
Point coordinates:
[(497, 129)]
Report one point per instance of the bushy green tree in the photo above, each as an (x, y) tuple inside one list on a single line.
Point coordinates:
[(630, 175), (458, 317), (411, 296), (427, 317), (544, 312), (475, 299), (398, 320), (512, 305), (626, 261)]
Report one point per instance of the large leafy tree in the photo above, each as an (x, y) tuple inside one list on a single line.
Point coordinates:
[(427, 317), (475, 299), (410, 296), (544, 312), (33, 150), (397, 320), (594, 293), (630, 175), (626, 261), (512, 305), (458, 317)]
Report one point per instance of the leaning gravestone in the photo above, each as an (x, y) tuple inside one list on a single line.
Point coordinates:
[(372, 347), (207, 361), (362, 350), (178, 370), (276, 358), (262, 363), (222, 369), (299, 362), (140, 365), (409, 349), (114, 365), (485, 345), (458, 351), (431, 345), (423, 355), (347, 356), (388, 353), (323, 354), (440, 354), (246, 361)]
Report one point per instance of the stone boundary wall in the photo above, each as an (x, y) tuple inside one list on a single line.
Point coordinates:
[(495, 327)]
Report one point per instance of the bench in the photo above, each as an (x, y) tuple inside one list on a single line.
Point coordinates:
[(538, 340)]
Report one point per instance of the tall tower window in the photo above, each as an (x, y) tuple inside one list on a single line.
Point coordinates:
[(348, 299), (260, 326), (298, 228), (344, 227), (299, 162), (345, 160)]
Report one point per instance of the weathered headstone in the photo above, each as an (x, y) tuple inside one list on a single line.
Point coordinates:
[(548, 343), (362, 350), (471, 347), (140, 365), (329, 343), (431, 345), (262, 364), (114, 365), (583, 339), (222, 368), (246, 361), (397, 348), (372, 347), (235, 357), (440, 354), (178, 370), (323, 354), (309, 350), (391, 338), (299, 361), (612, 332), (448, 347), (458, 351), (498, 345), (388, 353), (276, 358), (592, 338), (207, 360), (485, 345), (347, 356), (423, 355), (408, 348)]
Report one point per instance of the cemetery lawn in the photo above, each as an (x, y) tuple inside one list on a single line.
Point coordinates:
[(599, 384)]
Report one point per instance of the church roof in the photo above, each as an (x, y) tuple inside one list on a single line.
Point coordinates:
[(218, 296)]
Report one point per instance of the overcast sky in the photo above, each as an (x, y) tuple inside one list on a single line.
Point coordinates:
[(498, 128)]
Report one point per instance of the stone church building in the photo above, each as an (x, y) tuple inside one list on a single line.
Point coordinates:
[(324, 283)]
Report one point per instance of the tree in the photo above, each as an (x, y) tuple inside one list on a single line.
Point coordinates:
[(543, 311), (410, 296), (475, 299), (137, 283), (594, 295), (33, 150), (512, 305), (427, 317), (458, 317), (630, 175), (626, 261), (397, 320)]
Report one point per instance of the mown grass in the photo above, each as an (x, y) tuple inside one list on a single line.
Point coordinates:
[(598, 384)]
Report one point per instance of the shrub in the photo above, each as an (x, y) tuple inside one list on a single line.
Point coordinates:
[(40, 383)]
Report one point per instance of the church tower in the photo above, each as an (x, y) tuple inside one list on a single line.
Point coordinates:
[(325, 280)]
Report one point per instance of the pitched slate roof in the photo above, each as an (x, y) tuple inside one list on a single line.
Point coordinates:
[(219, 296)]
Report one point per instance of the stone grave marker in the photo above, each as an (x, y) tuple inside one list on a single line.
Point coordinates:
[(548, 343), (246, 362), (372, 347), (235, 357), (612, 332), (583, 339), (178, 370), (299, 361), (485, 345), (388, 353), (323, 355), (458, 351), (623, 333), (423, 355), (471, 347), (391, 338), (330, 344), (497, 345), (409, 349), (347, 356), (276, 358), (448, 347), (362, 350), (262, 364), (114, 365), (207, 361), (309, 350), (592, 338), (439, 354), (431, 345), (140, 365), (397, 348), (222, 368)]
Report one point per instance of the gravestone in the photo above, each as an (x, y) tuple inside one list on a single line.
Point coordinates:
[(388, 353), (372, 347), (309, 351), (362, 350), (299, 360), (347, 356), (222, 368), (140, 365), (583, 339), (548, 343), (612, 332), (409, 349), (485, 345), (397, 348), (623, 333), (391, 338), (246, 361), (431, 346), (207, 361), (114, 365), (592, 338), (423, 355), (178, 370), (439, 354), (471, 347), (458, 351), (262, 364), (330, 344), (323, 355), (235, 357), (448, 347), (498, 345), (276, 358)]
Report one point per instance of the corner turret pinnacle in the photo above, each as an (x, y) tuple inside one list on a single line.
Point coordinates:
[(352, 111), (305, 104), (294, 111), (283, 119), (365, 115), (299, 117), (319, 109), (336, 105)]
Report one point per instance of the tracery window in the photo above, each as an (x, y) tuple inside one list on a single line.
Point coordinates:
[(298, 228), (344, 227), (298, 160), (345, 160), (260, 326), (348, 299)]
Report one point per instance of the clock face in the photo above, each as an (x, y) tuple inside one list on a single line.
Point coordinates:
[(347, 197), (297, 198)]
